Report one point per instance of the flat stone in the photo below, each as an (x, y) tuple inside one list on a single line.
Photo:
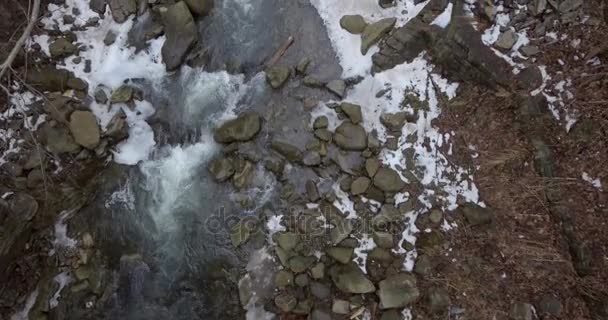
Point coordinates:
[(337, 87), (84, 129), (200, 7), (383, 239), (394, 121), (340, 307), (350, 279), (530, 78), (180, 31), (313, 82), (312, 192), (110, 38), (529, 50), (360, 185), (244, 128), (288, 240), (371, 166), (438, 300), (289, 151), (320, 290), (98, 6), (320, 122), (123, 94), (569, 5), (311, 158), (318, 271), (283, 278), (57, 139), (506, 40), (221, 169), (521, 311), (299, 264), (341, 254), (61, 47), (122, 9), (323, 134), (350, 137), (476, 215), (398, 291), (374, 32), (352, 111), (277, 75), (285, 302), (302, 65), (341, 231), (423, 265), (354, 24), (388, 180)]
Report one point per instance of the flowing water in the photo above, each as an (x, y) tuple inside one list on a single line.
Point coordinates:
[(164, 224)]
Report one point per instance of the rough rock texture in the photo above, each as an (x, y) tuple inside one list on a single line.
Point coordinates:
[(374, 32), (122, 9), (221, 169), (277, 75), (388, 180), (243, 128), (181, 33), (398, 291), (352, 111), (350, 279), (48, 78), (354, 24), (98, 6), (351, 137), (403, 45), (61, 47), (200, 7), (84, 128), (289, 151), (57, 139)]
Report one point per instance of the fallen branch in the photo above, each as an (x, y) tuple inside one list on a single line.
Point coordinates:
[(280, 52), (26, 34)]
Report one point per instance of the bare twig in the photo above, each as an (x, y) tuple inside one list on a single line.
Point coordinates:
[(26, 33), (280, 52)]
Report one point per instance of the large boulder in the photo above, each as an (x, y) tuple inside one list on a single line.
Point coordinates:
[(200, 7), (277, 75), (350, 137), (48, 78), (57, 139), (221, 169), (61, 47), (243, 128), (374, 32), (403, 45), (181, 33), (354, 24), (398, 291), (388, 180), (122, 9), (98, 6), (350, 279), (84, 128)]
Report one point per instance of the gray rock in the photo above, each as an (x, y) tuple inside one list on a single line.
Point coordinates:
[(360, 186), (122, 9), (123, 94), (48, 78), (476, 215), (98, 6), (380, 255), (383, 239), (320, 314), (59, 107), (285, 302), (299, 264), (311, 158), (337, 87), (521, 311), (340, 307), (221, 169), (569, 5), (244, 128), (13, 169), (388, 180), (77, 84), (289, 151), (506, 40), (529, 50), (181, 34), (384, 4), (403, 45), (303, 307), (302, 65), (350, 137), (313, 82), (394, 121), (302, 280), (318, 271), (200, 7), (350, 279), (423, 266), (288, 240), (341, 254), (84, 129), (550, 305), (398, 291), (312, 191), (323, 135), (277, 75), (320, 290), (240, 233), (436, 216), (57, 139), (352, 111), (283, 278), (341, 231), (61, 47), (35, 179), (538, 7), (320, 123), (100, 96), (69, 19), (117, 128), (354, 24), (530, 78), (374, 32), (438, 300), (429, 240), (371, 167), (110, 38)]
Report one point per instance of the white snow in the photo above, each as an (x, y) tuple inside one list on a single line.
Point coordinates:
[(62, 240), (274, 225), (348, 46), (366, 244), (343, 202), (597, 183), (123, 196), (445, 17), (141, 141)]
